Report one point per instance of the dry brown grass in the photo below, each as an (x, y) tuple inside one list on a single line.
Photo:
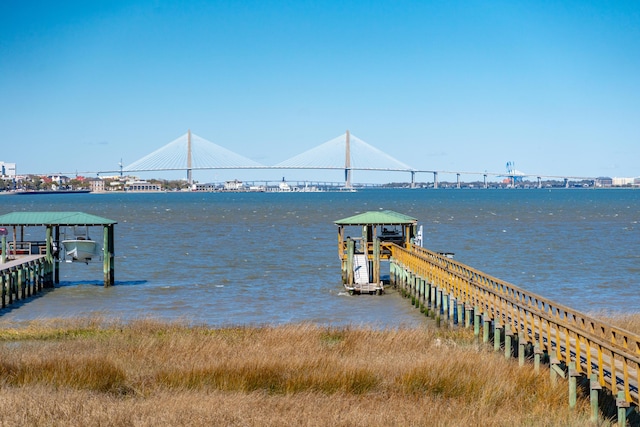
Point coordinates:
[(152, 373), (628, 321)]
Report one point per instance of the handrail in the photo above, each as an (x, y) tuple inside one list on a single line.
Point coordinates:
[(596, 346)]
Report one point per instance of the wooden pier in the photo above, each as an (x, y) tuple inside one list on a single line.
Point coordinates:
[(525, 325)]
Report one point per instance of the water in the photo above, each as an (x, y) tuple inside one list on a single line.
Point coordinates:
[(258, 258)]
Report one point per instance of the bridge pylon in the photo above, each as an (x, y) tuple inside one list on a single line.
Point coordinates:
[(347, 162)]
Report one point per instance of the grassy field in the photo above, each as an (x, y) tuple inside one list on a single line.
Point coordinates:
[(89, 373)]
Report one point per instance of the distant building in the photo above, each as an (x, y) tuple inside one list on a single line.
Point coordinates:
[(234, 185), (604, 181), (96, 185), (142, 186), (622, 182), (7, 170), (57, 179), (205, 187)]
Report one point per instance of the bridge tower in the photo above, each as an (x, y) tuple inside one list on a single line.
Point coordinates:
[(347, 163), (189, 168)]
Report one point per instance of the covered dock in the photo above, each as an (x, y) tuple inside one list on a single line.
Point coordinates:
[(361, 255), (50, 246)]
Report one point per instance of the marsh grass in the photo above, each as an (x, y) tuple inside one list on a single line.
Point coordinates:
[(628, 321), (153, 373)]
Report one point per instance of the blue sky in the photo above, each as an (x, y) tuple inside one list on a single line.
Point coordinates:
[(459, 86)]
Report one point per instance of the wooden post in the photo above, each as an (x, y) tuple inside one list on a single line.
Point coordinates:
[(11, 286), (108, 255), (536, 358), (350, 251), (4, 248), (432, 298), (595, 387), (21, 285), (2, 288), (485, 327), (555, 370), (573, 385), (622, 405), (376, 261), (460, 312), (496, 335), (48, 271), (521, 349), (445, 306), (54, 264), (508, 335), (476, 323), (452, 308)]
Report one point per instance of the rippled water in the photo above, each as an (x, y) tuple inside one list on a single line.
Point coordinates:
[(256, 258)]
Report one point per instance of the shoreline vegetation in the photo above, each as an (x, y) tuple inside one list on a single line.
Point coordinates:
[(147, 372)]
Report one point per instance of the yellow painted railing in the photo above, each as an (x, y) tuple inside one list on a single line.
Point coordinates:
[(595, 346)]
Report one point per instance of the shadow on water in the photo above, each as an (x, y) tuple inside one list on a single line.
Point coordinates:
[(99, 283), (22, 302)]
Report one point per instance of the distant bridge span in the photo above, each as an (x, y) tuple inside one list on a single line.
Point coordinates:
[(346, 152)]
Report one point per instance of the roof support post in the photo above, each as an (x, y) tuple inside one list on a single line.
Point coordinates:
[(108, 255), (55, 257), (4, 248), (48, 265)]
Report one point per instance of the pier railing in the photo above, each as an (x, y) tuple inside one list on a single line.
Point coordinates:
[(588, 346), (24, 276)]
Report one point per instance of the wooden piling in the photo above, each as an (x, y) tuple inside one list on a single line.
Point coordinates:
[(508, 336), (109, 256), (485, 327), (594, 390), (536, 358), (573, 385), (496, 335), (476, 322), (622, 405), (350, 253)]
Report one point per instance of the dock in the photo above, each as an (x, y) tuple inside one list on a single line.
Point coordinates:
[(28, 266), (524, 325), (361, 255)]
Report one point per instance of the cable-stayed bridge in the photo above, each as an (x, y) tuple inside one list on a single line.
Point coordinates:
[(191, 152), (346, 152)]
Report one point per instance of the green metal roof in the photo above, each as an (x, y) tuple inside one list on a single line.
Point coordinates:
[(377, 218), (53, 218)]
